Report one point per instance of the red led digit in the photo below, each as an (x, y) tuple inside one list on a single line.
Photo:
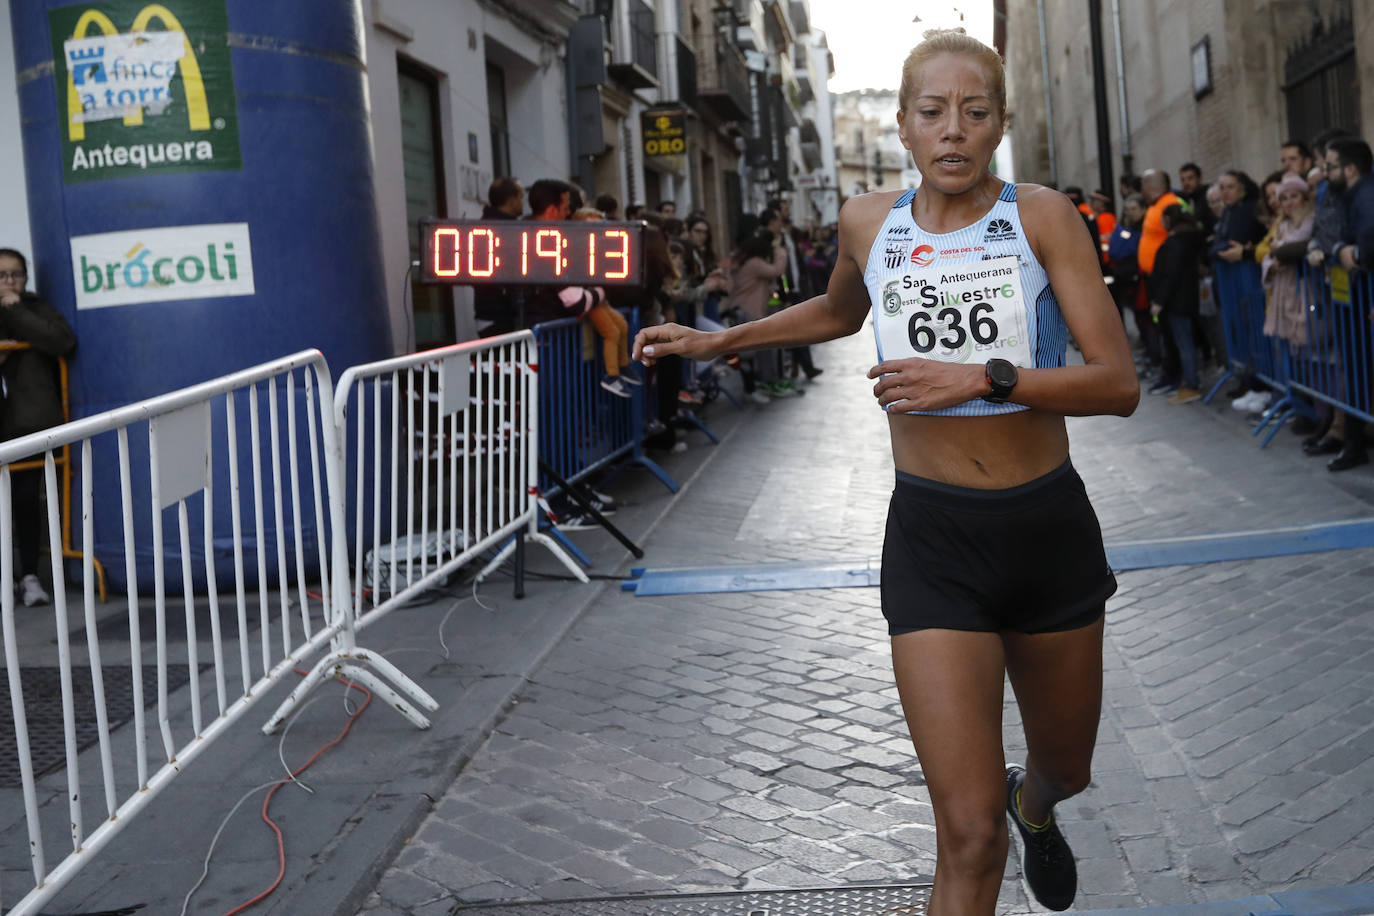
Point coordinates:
[(490, 267), (441, 234), (591, 254), (623, 254), (555, 253), (524, 254)]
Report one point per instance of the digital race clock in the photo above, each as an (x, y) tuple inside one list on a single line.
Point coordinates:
[(526, 252)]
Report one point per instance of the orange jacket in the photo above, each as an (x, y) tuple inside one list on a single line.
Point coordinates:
[(1153, 233)]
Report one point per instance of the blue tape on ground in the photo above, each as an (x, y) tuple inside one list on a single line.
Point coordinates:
[(1124, 555)]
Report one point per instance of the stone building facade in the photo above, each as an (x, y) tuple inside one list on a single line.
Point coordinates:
[(1222, 83)]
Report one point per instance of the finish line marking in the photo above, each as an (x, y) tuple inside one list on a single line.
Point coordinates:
[(1122, 555)]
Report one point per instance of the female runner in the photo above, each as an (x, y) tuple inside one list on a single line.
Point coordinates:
[(993, 563)]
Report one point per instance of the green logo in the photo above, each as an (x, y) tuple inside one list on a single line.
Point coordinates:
[(892, 300)]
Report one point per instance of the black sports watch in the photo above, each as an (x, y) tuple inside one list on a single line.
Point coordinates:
[(1001, 376)]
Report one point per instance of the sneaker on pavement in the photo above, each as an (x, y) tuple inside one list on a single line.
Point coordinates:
[(578, 522), (1047, 861), (615, 386), (678, 447), (758, 397), (1185, 395), (1163, 385), (629, 379), (601, 502), (686, 397), (31, 591), (779, 390)]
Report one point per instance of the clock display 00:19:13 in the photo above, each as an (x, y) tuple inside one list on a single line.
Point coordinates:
[(572, 253)]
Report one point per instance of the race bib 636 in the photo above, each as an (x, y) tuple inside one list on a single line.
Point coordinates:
[(963, 313)]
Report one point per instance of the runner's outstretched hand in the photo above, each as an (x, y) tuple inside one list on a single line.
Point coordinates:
[(660, 340)]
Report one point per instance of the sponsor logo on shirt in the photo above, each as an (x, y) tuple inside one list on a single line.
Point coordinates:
[(923, 255), (1000, 230), (959, 254), (899, 232), (892, 299), (894, 255)]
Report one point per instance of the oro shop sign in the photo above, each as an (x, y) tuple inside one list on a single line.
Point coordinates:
[(157, 265)]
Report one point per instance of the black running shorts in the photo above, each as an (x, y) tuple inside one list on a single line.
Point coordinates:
[(1027, 558)]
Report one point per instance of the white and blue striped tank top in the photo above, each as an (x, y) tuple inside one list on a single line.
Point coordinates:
[(965, 296)]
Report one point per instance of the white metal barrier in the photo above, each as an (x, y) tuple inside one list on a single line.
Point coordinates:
[(186, 434), (445, 464)]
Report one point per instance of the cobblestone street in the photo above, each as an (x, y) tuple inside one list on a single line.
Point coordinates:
[(751, 740)]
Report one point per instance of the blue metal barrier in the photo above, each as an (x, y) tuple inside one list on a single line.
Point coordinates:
[(1335, 365), (583, 427)]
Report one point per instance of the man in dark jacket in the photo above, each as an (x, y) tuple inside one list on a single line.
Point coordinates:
[(1355, 251), (492, 305), (32, 401)]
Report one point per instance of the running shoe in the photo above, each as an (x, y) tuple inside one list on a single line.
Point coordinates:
[(578, 522), (1185, 395), (615, 386), (629, 379), (31, 592), (1047, 862), (1164, 386), (758, 397)]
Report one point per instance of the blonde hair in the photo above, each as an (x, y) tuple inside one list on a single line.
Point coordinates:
[(587, 213), (954, 41)]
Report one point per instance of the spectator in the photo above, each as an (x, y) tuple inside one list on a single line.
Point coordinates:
[(634, 211), (609, 206), (667, 209), (791, 289), (674, 228), (1215, 203), (761, 261), (1286, 314), (1160, 341), (1355, 251), (1295, 156), (32, 402), (1173, 291), (612, 328), (1328, 225), (1239, 228), (1103, 217), (1123, 267), (1194, 194), (550, 199), (493, 306), (1128, 185)]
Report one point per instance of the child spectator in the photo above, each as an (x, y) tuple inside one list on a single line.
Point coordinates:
[(613, 329)]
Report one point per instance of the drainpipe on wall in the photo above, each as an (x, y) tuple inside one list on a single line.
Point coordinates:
[(1126, 164), (1104, 127), (1049, 104)]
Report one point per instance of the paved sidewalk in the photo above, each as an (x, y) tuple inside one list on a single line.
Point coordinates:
[(710, 742)]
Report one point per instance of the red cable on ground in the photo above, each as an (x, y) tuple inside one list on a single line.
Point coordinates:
[(281, 847)]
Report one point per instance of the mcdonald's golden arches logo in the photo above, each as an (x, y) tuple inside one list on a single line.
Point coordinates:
[(156, 98)]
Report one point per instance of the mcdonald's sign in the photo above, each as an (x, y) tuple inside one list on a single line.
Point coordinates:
[(157, 98)]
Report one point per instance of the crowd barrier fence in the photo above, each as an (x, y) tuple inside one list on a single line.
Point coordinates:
[(586, 428), (446, 458), (1334, 365), (185, 435)]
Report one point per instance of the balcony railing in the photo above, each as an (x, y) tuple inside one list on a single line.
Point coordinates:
[(636, 64), (723, 82), (686, 73)]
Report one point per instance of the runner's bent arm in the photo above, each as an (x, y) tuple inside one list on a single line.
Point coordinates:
[(1106, 383), (839, 312)]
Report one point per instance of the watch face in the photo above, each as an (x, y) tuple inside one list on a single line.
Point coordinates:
[(1001, 373)]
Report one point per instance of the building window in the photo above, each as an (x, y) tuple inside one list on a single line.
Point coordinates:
[(422, 157), (1321, 81), (500, 127)]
